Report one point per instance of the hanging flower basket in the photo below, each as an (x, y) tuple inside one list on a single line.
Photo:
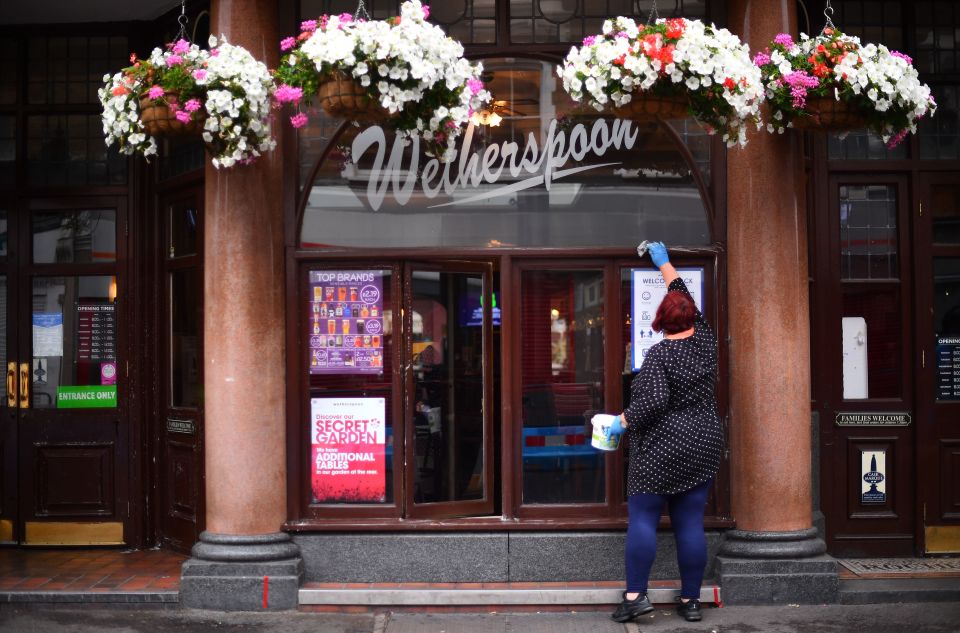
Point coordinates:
[(159, 120), (343, 97), (403, 72), (221, 94), (670, 69), (832, 82), (825, 113), (652, 107)]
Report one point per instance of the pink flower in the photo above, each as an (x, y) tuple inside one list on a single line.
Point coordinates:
[(288, 94), (426, 12), (200, 74), (214, 52), (287, 43), (308, 26), (761, 59), (799, 82), (904, 57), (475, 86), (893, 142), (346, 18), (783, 39), (590, 40), (181, 47), (155, 92), (191, 106), (173, 60), (299, 120), (622, 35), (183, 116)]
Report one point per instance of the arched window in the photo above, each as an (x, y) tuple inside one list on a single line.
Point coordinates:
[(537, 170)]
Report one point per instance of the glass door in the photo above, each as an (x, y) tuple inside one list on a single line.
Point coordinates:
[(9, 524), (938, 319), (66, 380), (447, 342)]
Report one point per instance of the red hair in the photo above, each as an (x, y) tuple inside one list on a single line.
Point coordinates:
[(675, 314)]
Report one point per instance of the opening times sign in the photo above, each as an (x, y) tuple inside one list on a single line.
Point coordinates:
[(346, 322), (348, 437), (648, 291)]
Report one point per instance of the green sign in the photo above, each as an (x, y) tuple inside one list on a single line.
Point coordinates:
[(87, 397)]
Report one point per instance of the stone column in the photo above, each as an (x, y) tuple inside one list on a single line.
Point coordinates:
[(774, 555), (244, 382)]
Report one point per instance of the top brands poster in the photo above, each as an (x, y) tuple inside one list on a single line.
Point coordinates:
[(648, 291), (346, 322)]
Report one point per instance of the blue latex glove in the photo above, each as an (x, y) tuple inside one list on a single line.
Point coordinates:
[(617, 426), (658, 253)]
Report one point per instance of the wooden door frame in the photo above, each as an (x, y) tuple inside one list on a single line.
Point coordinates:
[(928, 475), (127, 464), (166, 266), (448, 509)]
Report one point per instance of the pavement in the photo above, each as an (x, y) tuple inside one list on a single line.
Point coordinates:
[(941, 617)]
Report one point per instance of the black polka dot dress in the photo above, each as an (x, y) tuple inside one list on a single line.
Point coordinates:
[(675, 434)]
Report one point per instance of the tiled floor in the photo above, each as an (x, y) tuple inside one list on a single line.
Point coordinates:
[(96, 570)]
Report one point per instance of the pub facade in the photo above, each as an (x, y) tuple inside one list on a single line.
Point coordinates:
[(198, 339)]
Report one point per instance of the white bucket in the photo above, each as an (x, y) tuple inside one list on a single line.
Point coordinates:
[(603, 438)]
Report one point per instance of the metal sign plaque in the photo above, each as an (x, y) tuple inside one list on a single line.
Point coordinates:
[(873, 419), (175, 425)]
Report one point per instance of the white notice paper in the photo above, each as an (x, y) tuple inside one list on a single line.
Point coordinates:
[(648, 291), (47, 334)]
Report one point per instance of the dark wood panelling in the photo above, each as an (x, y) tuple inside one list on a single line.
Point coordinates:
[(75, 479), (182, 473)]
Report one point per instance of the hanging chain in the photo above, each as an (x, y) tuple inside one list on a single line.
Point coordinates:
[(361, 11), (828, 14), (654, 14), (182, 20)]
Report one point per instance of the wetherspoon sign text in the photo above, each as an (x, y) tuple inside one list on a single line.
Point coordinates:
[(531, 164)]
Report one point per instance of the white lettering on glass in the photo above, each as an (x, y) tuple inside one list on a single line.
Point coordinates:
[(473, 169)]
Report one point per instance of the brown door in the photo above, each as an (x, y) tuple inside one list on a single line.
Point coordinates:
[(66, 440), (938, 390), (180, 432), (9, 418), (448, 345), (864, 353)]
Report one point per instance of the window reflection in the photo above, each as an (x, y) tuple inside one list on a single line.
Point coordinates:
[(74, 236), (562, 375), (615, 180), (868, 232)]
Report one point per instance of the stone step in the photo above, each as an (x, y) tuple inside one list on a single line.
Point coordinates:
[(898, 590), (159, 597), (491, 594)]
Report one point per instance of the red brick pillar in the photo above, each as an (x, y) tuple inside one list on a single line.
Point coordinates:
[(770, 424), (244, 381)]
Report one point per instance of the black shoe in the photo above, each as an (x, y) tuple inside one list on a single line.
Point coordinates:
[(630, 609), (690, 610)]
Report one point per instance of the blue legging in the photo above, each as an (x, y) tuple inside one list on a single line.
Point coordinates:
[(686, 517)]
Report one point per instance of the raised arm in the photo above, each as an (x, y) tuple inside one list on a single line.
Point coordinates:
[(658, 254)]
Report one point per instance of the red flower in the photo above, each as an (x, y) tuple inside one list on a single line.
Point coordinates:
[(119, 91), (675, 28), (666, 54), (620, 60), (729, 83), (820, 70)]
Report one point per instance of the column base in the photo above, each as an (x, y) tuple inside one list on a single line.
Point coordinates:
[(242, 573), (777, 568)]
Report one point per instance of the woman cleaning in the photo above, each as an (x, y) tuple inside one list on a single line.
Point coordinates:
[(675, 439)]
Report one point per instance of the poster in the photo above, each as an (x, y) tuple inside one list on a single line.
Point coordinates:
[(47, 334), (948, 368), (96, 332), (348, 438), (346, 322), (873, 466), (648, 290)]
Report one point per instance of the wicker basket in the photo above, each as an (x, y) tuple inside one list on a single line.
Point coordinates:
[(342, 97), (158, 120), (829, 115), (652, 107)]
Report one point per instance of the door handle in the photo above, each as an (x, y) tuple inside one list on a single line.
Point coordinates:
[(24, 385), (11, 384)]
